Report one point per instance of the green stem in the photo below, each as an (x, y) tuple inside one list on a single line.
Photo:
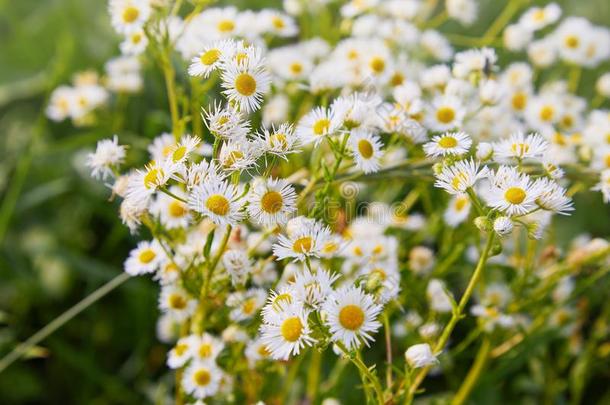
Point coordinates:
[(364, 370), (473, 374), (388, 348), (574, 78), (501, 21), (61, 320), (455, 317)]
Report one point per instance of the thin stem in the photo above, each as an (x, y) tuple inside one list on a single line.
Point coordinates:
[(169, 193), (365, 371), (61, 320), (574, 78), (455, 317), (501, 21), (388, 348), (473, 374)]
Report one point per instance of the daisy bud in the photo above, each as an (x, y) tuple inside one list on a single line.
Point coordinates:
[(482, 223), (503, 225), (485, 151), (420, 355), (437, 168)]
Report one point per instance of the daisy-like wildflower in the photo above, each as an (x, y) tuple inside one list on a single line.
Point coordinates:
[(457, 178), (312, 287), (437, 295), (271, 202), (143, 183), (512, 192), (145, 258), (520, 146), (205, 348), (277, 300), (180, 152), (458, 210), (279, 141), (171, 212), (238, 265), (108, 156), (491, 317), (317, 124), (553, 197), (218, 200), (201, 379), (135, 43), (246, 80), (450, 143), (287, 333), (366, 150), (536, 18), (256, 351), (604, 185), (445, 113), (351, 316), (211, 57), (246, 304), (182, 352), (175, 301), (306, 241), (129, 15), (239, 154), (226, 122)]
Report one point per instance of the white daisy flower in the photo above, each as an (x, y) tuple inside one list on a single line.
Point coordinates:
[(315, 125), (129, 15), (180, 152), (491, 317), (182, 352), (143, 183), (288, 333), (272, 201), (205, 348), (239, 154), (161, 147), (145, 258), (457, 178), (277, 23), (246, 80), (464, 11), (536, 18), (450, 143), (366, 150), (245, 304), (277, 300), (172, 213), (211, 57), (175, 301), (312, 287), (553, 197), (351, 316), (218, 200), (108, 156), (458, 210), (474, 61), (520, 146), (204, 171), (445, 113), (306, 241), (238, 265), (279, 141), (226, 122), (384, 277), (604, 185), (201, 379), (512, 192), (256, 351), (134, 44)]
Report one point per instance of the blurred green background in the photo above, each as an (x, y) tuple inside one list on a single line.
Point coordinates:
[(60, 238)]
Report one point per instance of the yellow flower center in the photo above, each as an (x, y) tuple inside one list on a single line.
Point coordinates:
[(296, 68), (181, 349), (445, 114), (302, 245), (515, 195), (377, 65), (272, 202), (226, 26), (379, 273), (321, 126), (147, 256), (607, 160), (205, 350), (518, 101), (447, 142), (136, 38), (151, 179), (572, 41), (177, 301), (218, 204), (130, 14), (179, 153), (245, 84), (546, 113), (460, 203), (278, 22), (176, 209), (538, 15), (262, 351), (351, 317), (241, 57), (233, 157), (248, 306), (291, 329), (397, 79), (567, 121), (278, 140), (365, 148), (202, 377), (210, 57), (330, 247)]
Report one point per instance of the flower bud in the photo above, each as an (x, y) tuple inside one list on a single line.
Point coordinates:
[(503, 226), (483, 223), (420, 355)]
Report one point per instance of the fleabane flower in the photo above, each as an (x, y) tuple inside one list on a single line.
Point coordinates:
[(211, 57), (288, 333), (279, 141), (445, 113), (246, 80), (205, 348), (450, 143), (239, 154), (366, 150), (305, 241), (180, 152), (202, 379), (182, 352), (172, 213), (226, 122), (315, 125), (604, 185), (134, 44), (238, 265), (512, 192), (129, 15), (351, 316), (143, 183), (553, 197), (458, 210), (271, 202), (218, 200), (536, 18), (312, 287), (145, 258), (457, 178), (177, 302), (420, 355), (520, 146), (108, 156)]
